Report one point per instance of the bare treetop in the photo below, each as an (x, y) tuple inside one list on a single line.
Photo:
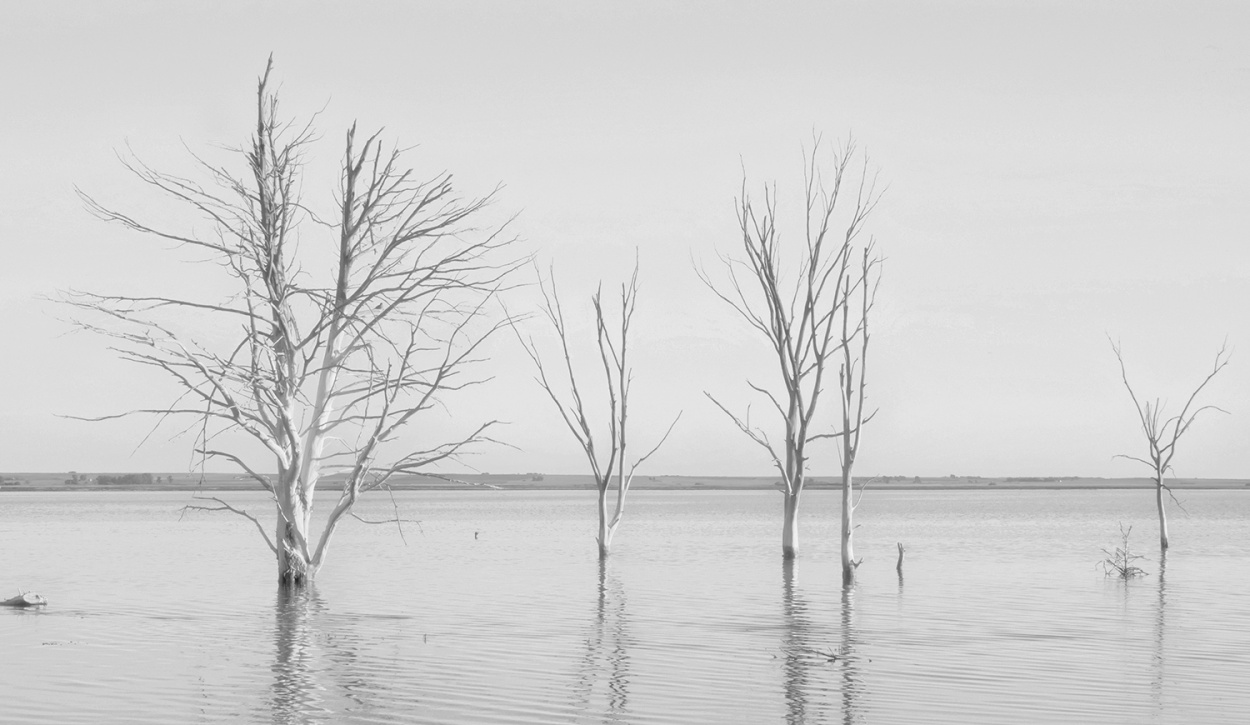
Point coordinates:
[(613, 345), (1163, 434), (804, 314), (324, 370)]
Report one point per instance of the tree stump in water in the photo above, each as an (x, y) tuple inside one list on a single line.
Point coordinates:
[(25, 600)]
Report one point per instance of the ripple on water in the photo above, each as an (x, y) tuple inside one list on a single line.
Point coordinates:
[(1000, 617)]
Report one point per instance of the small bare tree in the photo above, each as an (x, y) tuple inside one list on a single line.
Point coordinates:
[(1162, 434), (322, 374), (852, 384), (811, 321), (1121, 563), (613, 342)]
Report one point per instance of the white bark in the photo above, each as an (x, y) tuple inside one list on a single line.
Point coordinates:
[(1163, 517), (604, 538), (848, 529), (613, 356), (799, 315), (790, 526), (1162, 435), (325, 375)]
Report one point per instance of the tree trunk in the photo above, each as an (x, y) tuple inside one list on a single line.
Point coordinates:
[(292, 572), (292, 530), (848, 529), (1163, 517), (790, 528), (605, 534)]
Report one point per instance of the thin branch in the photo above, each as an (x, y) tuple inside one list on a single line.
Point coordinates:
[(223, 506)]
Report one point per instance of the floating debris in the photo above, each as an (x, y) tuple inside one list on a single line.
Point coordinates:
[(25, 599)]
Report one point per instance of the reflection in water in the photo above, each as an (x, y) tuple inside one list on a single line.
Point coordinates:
[(294, 693), (1156, 684), (851, 683), (796, 646), (317, 668), (812, 667), (607, 654)]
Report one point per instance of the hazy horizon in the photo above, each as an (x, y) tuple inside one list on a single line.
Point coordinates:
[(824, 478)]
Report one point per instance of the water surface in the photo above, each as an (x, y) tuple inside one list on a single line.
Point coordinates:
[(498, 611)]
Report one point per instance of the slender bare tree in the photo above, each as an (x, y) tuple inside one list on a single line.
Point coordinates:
[(852, 384), (613, 342), (810, 319), (1162, 434), (325, 375)]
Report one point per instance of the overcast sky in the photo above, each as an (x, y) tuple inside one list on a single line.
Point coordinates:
[(1059, 172)]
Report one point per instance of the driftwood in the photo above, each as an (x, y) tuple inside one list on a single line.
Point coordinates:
[(27, 599)]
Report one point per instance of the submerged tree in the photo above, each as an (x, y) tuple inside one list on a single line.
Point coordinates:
[(613, 342), (852, 383), (1162, 434), (324, 371), (1122, 563), (814, 315)]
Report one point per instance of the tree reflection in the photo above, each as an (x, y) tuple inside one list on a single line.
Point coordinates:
[(317, 662), (852, 684), (796, 647), (607, 655), (293, 695), (1156, 685), (811, 666)]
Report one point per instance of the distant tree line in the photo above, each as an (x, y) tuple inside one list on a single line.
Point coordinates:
[(125, 479), (121, 479)]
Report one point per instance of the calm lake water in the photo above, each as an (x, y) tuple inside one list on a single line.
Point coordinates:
[(1001, 617)]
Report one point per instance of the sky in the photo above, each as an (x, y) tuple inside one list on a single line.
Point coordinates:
[(1059, 173)]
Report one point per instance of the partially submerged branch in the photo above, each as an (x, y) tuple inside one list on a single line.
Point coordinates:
[(1120, 563)]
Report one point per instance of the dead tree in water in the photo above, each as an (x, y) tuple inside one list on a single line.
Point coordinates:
[(613, 342), (1121, 562), (852, 377), (320, 371), (810, 320), (1162, 434)]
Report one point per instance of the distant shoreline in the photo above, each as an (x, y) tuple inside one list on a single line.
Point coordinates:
[(174, 482)]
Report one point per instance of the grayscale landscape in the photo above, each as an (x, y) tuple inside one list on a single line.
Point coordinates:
[(557, 362)]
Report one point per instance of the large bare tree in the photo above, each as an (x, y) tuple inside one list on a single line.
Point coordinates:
[(613, 344), (1162, 434), (345, 326), (811, 304)]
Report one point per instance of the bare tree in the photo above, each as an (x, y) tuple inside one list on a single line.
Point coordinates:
[(613, 343), (812, 320), (859, 292), (1162, 434), (325, 375)]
